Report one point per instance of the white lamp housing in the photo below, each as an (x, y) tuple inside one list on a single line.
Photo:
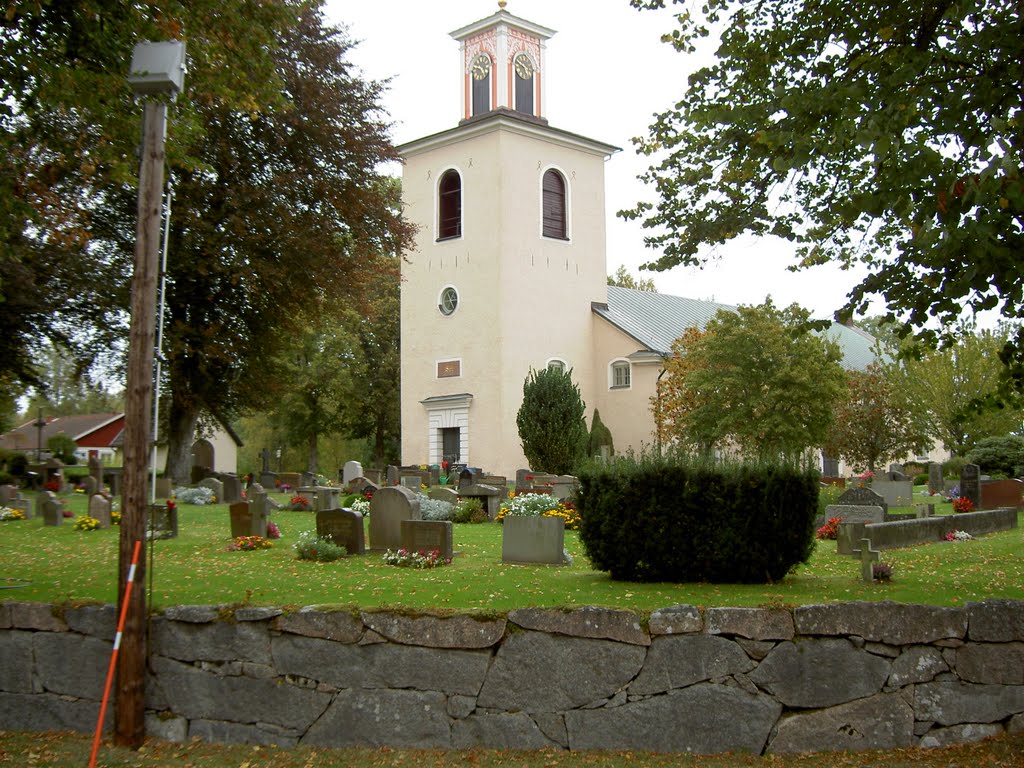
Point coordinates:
[(157, 68)]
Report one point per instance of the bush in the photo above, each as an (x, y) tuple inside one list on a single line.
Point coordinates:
[(469, 510), (921, 479), (600, 436), (197, 496), (659, 519), (310, 547), (434, 509), (952, 467), (551, 421), (999, 455)]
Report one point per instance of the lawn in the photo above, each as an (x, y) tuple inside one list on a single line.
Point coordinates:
[(58, 564)]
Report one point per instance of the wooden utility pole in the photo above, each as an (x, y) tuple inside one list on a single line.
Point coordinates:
[(129, 724)]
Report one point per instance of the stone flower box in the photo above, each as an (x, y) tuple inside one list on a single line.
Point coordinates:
[(533, 540)]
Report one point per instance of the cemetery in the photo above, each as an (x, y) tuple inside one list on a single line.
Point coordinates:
[(497, 650)]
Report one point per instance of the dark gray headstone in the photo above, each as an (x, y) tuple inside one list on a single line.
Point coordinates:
[(970, 484), (935, 477), (163, 521), (864, 497), (391, 475), (428, 535), (232, 489), (362, 485), (247, 521), (466, 478), (344, 527)]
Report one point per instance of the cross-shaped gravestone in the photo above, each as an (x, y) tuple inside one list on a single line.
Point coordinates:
[(868, 557)]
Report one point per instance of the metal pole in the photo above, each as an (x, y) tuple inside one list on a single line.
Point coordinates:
[(129, 725), (162, 304)]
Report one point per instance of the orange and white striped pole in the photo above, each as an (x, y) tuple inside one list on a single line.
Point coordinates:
[(113, 656)]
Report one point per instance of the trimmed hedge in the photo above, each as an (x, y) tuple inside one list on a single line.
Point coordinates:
[(662, 520)]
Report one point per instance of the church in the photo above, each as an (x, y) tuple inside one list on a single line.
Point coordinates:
[(509, 270)]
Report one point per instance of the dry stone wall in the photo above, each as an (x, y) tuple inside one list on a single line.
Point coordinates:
[(819, 677)]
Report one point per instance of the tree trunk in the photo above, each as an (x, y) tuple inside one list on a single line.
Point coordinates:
[(181, 430), (313, 463)]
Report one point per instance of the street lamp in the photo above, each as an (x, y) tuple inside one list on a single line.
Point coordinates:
[(157, 76)]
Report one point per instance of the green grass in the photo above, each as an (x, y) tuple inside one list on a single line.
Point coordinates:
[(62, 564), (70, 750)]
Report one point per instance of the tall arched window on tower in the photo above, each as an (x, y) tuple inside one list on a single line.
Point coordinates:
[(449, 205), (523, 83), (480, 74), (554, 205)]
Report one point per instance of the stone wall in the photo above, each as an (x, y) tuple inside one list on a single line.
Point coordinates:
[(818, 677)]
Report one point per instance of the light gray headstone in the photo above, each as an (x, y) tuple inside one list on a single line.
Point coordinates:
[(52, 509), (99, 507), (412, 482), (214, 485), (533, 540), (350, 472), (388, 508)]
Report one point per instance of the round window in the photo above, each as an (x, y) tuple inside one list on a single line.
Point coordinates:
[(449, 300)]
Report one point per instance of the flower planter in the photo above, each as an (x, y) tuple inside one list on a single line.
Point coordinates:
[(534, 539)]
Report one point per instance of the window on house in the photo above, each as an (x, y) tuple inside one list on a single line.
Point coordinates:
[(449, 206), (554, 205), (620, 375), (523, 83)]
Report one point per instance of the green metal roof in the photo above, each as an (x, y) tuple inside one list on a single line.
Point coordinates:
[(655, 320)]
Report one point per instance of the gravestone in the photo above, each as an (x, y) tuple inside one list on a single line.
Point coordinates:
[(291, 479), (896, 472), (466, 478), (214, 485), (498, 481), (96, 473), (268, 479), (427, 536), (326, 498), (388, 508), (855, 513), (1002, 493), (265, 458), (935, 478), (362, 485), (350, 472), (897, 493), (260, 503), (232, 487), (163, 487), (490, 497), (863, 497), (246, 521), (7, 494), (970, 484), (344, 527), (524, 478), (868, 557), (52, 510), (412, 482), (162, 522), (99, 507), (443, 493), (112, 476), (435, 475), (373, 475), (564, 486), (852, 527), (391, 475), (533, 540), (39, 502), (20, 502)]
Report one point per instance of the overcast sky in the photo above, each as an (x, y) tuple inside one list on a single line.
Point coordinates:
[(608, 74)]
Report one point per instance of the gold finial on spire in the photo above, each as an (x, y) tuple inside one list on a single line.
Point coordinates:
[(502, 4)]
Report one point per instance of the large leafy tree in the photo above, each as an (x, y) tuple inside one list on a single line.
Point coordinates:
[(955, 390), (551, 421), (68, 135), (756, 379), (875, 421), (890, 133)]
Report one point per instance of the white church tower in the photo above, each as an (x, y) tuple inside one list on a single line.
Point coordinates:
[(509, 256)]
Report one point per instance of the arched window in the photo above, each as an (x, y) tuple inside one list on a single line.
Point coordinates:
[(523, 83), (554, 205), (449, 205), (557, 365), (480, 73), (619, 377)]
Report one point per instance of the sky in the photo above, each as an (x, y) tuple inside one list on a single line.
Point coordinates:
[(608, 75)]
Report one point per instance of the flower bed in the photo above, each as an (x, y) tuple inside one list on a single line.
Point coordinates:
[(403, 558), (248, 544)]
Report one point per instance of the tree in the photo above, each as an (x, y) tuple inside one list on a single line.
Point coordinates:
[(286, 207), (66, 389), (955, 387), (551, 421), (623, 279), (62, 446), (1004, 454), (874, 421), (884, 133), (756, 379), (600, 437)]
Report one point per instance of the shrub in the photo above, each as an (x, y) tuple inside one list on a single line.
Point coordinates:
[(273, 531), (830, 530), (300, 503), (666, 519), (881, 572), (952, 467), (311, 547), (435, 509), (999, 455), (198, 496), (921, 479), (963, 504), (469, 510), (551, 421), (600, 436)]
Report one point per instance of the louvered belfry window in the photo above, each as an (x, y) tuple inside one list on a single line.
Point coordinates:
[(554, 205), (449, 207)]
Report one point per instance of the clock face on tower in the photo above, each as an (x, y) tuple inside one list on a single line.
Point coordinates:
[(481, 67), (524, 67)]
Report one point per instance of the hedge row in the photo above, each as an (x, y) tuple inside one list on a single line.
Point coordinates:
[(663, 520)]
